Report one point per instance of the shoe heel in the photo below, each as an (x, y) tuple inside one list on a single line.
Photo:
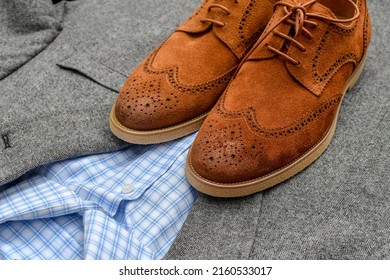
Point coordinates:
[(356, 75)]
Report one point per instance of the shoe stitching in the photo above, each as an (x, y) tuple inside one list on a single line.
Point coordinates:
[(326, 77), (365, 30), (288, 130), (173, 77), (242, 24), (266, 175), (323, 80)]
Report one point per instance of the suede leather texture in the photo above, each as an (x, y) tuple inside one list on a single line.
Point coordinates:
[(337, 208), (184, 77), (273, 112)]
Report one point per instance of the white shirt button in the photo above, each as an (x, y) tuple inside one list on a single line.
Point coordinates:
[(128, 188)]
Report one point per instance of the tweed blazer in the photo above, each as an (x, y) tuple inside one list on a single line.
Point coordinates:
[(61, 66)]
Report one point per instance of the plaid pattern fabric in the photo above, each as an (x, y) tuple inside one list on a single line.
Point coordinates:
[(128, 204)]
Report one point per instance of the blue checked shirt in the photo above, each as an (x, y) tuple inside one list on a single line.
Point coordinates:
[(128, 204)]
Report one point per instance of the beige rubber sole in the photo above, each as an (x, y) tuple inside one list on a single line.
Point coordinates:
[(154, 136), (246, 188)]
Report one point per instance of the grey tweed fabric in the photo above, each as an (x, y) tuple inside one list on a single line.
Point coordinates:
[(26, 27), (61, 67), (338, 208)]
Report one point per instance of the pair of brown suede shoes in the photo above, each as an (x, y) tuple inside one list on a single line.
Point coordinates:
[(262, 79)]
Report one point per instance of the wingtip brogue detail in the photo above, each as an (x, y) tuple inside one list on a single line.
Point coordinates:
[(155, 99), (282, 105), (170, 92)]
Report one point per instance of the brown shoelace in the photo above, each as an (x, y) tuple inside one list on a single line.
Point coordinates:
[(218, 6), (297, 16)]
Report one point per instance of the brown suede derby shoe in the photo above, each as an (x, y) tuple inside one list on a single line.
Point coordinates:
[(279, 112), (170, 93)]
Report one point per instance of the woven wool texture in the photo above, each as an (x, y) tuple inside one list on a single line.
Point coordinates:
[(56, 97), (55, 103)]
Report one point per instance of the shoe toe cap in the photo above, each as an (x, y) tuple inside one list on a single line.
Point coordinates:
[(228, 153), (147, 107), (151, 102)]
